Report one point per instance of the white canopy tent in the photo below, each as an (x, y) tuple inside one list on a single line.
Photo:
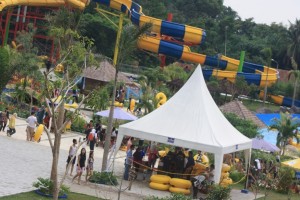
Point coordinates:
[(190, 119)]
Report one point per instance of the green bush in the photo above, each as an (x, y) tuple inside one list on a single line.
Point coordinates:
[(246, 127), (219, 193), (236, 176), (45, 185), (263, 155), (172, 197), (286, 176), (106, 178), (78, 125)]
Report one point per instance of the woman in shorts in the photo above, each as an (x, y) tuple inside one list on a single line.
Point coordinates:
[(80, 165)]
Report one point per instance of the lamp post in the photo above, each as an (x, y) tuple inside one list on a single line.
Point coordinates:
[(266, 84), (226, 27)]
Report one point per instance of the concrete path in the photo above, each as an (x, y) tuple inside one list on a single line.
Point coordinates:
[(23, 162)]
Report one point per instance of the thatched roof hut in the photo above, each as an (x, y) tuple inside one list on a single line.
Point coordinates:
[(99, 76), (104, 73), (241, 111)]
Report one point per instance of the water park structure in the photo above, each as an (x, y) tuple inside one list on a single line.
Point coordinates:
[(176, 43)]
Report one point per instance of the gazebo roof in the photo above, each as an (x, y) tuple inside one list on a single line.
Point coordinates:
[(241, 111), (105, 73)]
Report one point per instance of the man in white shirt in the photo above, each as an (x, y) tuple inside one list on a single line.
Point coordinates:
[(32, 122)]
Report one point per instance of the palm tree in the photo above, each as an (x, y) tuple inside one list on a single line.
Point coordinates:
[(286, 127), (294, 53), (126, 46), (296, 74)]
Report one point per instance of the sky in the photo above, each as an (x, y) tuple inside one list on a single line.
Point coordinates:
[(267, 11)]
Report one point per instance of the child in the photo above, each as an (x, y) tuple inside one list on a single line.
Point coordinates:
[(90, 166)]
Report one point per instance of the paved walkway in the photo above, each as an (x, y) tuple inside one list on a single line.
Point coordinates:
[(23, 162)]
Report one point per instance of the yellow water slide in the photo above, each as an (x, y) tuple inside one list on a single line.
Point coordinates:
[(79, 4)]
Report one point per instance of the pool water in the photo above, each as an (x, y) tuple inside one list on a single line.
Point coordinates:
[(271, 135)]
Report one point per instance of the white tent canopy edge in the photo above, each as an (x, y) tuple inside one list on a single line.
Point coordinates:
[(190, 119)]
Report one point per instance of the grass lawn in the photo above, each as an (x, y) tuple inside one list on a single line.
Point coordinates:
[(271, 195), (34, 196), (255, 105), (277, 196)]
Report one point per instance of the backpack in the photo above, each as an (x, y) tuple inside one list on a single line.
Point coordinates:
[(91, 137)]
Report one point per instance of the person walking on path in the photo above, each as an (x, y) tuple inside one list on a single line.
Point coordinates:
[(32, 122), (12, 125), (90, 166), (72, 153), (80, 165), (92, 139), (88, 129), (4, 117), (128, 162)]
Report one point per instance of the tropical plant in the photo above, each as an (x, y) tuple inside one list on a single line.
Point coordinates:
[(218, 192), (106, 178), (286, 127), (99, 99), (293, 52), (45, 185), (4, 68), (286, 175), (296, 73)]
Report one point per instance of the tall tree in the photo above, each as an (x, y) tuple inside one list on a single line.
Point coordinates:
[(296, 74), (127, 46), (5, 69), (286, 127), (294, 53), (74, 50)]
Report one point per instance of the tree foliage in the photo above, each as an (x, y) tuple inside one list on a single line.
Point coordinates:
[(286, 127), (246, 127)]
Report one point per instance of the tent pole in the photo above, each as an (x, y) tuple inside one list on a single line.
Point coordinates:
[(248, 161), (218, 167)]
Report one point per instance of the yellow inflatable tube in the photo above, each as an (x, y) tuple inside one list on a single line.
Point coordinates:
[(179, 190), (159, 186), (162, 179), (38, 133), (161, 98), (180, 183)]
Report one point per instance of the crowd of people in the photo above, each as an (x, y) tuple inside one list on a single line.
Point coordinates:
[(83, 163)]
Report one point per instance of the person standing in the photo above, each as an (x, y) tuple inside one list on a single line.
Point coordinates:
[(1, 120), (40, 115), (46, 120), (12, 125), (92, 139), (80, 165), (129, 143), (5, 117), (128, 162), (72, 153), (138, 158), (90, 166), (32, 122), (189, 165)]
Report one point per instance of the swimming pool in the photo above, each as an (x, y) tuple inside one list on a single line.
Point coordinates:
[(271, 136)]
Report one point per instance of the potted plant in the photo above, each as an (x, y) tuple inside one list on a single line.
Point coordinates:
[(44, 187)]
